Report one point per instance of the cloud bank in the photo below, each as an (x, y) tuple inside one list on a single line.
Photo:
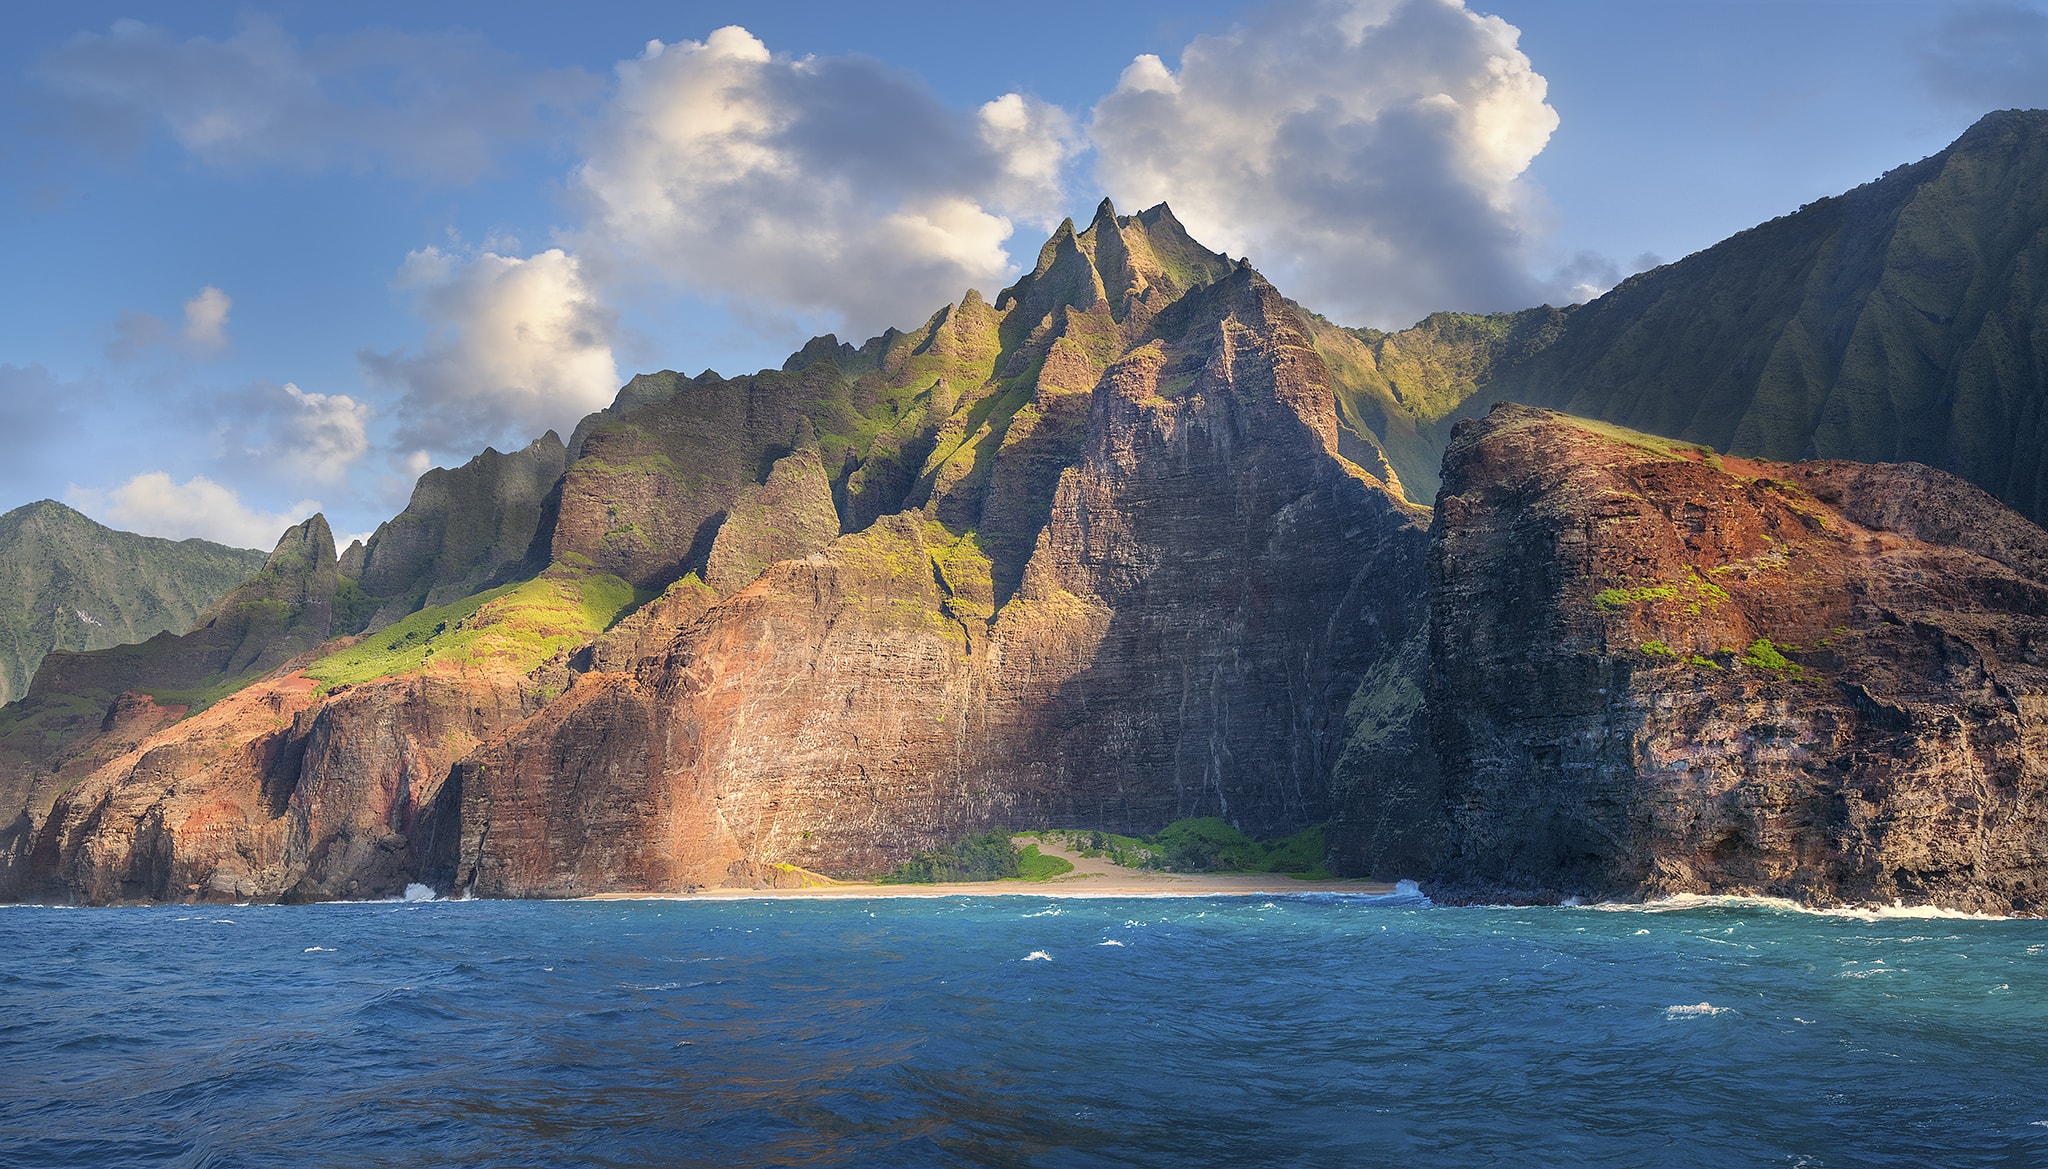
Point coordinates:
[(156, 505), (831, 186), (517, 346), (297, 435), (1365, 154)]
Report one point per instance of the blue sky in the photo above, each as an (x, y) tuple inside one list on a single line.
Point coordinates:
[(268, 258)]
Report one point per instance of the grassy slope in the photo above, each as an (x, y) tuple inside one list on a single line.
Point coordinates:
[(513, 627)]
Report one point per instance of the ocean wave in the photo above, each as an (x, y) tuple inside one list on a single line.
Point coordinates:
[(1695, 1011), (1037, 956), (1682, 902)]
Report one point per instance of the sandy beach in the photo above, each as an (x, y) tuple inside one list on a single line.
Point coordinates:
[(1092, 877)]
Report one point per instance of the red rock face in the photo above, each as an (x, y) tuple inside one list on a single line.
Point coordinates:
[(1207, 588), (1655, 671), (275, 794), (1104, 567)]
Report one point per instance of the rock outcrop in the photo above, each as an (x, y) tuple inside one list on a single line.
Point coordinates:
[(1139, 585), (465, 529), (1656, 671)]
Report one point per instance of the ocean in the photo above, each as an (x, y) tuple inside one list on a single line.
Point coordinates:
[(1019, 1031)]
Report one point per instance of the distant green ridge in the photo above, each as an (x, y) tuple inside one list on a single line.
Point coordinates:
[(282, 611), (1906, 320), (68, 583)]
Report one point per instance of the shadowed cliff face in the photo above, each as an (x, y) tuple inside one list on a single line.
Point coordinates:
[(1657, 671), (1136, 584), (464, 530)]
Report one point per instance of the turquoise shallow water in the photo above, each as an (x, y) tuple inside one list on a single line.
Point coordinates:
[(1008, 1031)]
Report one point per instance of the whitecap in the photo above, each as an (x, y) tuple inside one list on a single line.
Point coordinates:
[(1109, 942), (1680, 902), (1049, 911), (319, 950), (1037, 956), (1695, 1011)]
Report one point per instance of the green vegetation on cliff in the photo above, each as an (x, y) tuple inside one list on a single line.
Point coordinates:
[(1901, 321), (67, 583), (514, 627)]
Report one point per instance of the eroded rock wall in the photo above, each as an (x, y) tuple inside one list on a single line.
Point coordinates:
[(1206, 587), (1659, 671)]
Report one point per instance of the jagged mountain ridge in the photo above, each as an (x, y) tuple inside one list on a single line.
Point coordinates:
[(943, 455), (73, 584), (1098, 553), (1905, 320)]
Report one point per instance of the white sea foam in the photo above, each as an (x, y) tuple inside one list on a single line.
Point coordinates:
[(1049, 911), (1037, 956), (319, 949), (1695, 1011), (1109, 942), (1684, 901), (419, 892)]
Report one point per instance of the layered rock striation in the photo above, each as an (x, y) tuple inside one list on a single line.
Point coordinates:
[(1656, 670), (1136, 583), (1119, 547), (1088, 554)]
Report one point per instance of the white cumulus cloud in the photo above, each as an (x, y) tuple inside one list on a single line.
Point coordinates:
[(139, 335), (833, 186), (299, 434), (206, 319), (156, 505), (1365, 154), (516, 346)]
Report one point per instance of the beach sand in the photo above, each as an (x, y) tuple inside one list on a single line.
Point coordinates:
[(1092, 877)]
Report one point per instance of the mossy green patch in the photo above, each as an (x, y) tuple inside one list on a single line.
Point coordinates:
[(514, 627), (1616, 598), (1763, 654)]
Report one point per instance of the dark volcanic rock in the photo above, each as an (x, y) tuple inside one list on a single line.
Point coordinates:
[(1657, 671)]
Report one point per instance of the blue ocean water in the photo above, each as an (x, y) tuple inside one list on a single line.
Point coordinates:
[(1018, 1031)]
